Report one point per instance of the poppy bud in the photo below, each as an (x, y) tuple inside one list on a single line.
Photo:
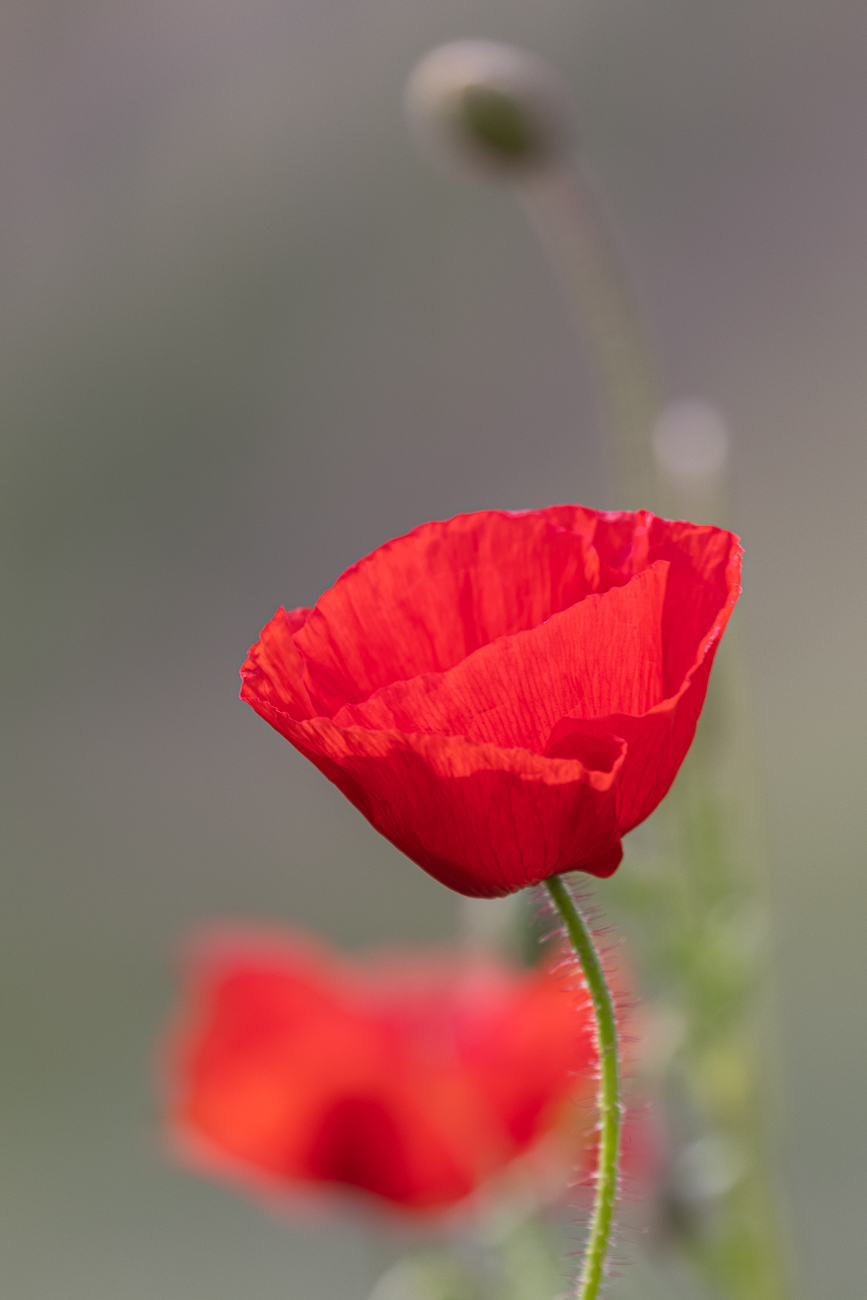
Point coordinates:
[(490, 108)]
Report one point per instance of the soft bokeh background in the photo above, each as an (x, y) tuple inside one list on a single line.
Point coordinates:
[(248, 334)]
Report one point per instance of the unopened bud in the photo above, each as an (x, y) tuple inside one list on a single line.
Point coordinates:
[(490, 108)]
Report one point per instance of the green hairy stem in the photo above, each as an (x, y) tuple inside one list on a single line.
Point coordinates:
[(608, 1097)]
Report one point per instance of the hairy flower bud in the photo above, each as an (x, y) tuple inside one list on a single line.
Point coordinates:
[(490, 108)]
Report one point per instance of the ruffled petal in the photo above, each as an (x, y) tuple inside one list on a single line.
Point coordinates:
[(657, 741), (425, 601), (274, 670), (703, 588), (601, 656), (483, 820)]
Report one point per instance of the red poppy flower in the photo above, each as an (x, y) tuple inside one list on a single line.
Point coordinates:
[(413, 1079), (505, 695)]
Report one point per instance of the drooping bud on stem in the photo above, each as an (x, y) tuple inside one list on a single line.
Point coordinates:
[(490, 108), (504, 114)]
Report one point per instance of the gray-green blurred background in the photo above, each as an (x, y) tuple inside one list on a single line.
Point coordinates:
[(248, 334)]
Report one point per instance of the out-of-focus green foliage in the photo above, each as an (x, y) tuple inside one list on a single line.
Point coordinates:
[(503, 1260), (692, 895)]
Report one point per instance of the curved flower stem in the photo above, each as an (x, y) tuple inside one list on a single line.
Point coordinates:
[(608, 1099), (572, 225)]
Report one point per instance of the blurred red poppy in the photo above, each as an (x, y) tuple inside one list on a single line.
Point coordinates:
[(505, 695), (411, 1078)]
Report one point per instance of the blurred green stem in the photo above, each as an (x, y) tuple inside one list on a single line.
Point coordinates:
[(569, 219), (608, 1098)]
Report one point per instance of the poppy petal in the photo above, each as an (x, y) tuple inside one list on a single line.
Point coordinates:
[(412, 1079), (425, 601), (514, 691)]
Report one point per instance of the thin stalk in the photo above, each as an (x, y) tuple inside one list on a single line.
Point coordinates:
[(608, 1098), (570, 221)]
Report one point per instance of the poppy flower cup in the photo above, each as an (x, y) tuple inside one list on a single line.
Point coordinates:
[(410, 1079), (505, 695)]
